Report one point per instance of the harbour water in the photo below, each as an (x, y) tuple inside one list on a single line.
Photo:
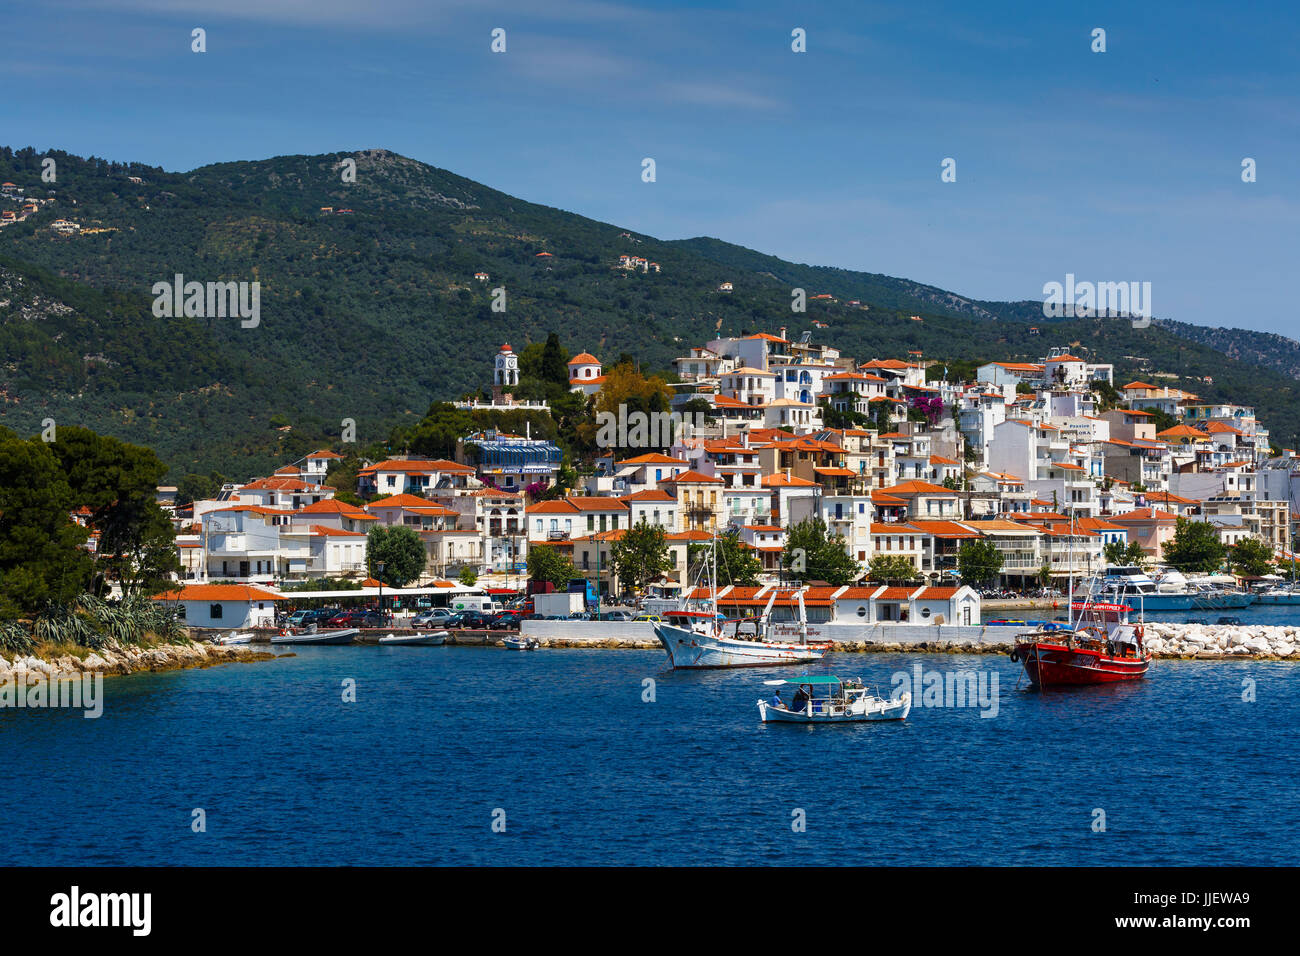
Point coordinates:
[(442, 741)]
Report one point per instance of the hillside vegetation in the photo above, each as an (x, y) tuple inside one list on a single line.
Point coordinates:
[(374, 314)]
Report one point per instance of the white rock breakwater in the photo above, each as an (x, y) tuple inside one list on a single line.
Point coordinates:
[(126, 660), (1223, 641)]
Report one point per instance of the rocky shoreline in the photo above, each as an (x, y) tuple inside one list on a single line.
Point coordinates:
[(116, 660), (1168, 641)]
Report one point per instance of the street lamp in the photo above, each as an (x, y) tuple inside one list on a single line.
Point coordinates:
[(380, 568)]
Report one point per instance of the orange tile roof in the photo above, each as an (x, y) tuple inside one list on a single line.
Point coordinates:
[(651, 459), (219, 592), (906, 488), (336, 507), (329, 532), (650, 494), (692, 477), (781, 480), (400, 501), (418, 466)]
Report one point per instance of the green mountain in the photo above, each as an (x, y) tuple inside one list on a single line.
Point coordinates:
[(373, 313)]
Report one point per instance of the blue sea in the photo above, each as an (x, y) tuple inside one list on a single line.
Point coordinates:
[(564, 749)]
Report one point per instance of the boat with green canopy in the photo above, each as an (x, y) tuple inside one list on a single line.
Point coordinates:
[(825, 699)]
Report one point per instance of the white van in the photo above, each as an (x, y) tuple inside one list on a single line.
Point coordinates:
[(475, 602)]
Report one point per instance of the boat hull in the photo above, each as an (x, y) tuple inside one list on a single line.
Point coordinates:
[(1284, 597), (893, 709), (1051, 665), (1167, 602), (321, 637), (690, 650), (434, 639)]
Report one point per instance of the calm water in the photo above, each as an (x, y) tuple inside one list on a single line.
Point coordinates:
[(588, 773)]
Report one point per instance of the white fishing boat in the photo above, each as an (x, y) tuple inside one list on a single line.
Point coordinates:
[(425, 639), (310, 635), (825, 699), (520, 643), (705, 639), (245, 637)]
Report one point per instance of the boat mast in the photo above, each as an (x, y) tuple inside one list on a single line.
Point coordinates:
[(714, 589), (1069, 560), (803, 618)]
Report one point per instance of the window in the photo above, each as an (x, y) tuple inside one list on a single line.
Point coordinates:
[(214, 611)]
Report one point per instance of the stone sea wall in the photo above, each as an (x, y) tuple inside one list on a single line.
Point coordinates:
[(1185, 641), (126, 660)]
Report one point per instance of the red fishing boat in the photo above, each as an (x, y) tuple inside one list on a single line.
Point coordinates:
[(1104, 650)]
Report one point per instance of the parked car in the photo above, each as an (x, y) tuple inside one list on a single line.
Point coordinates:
[(468, 620), (435, 617), (648, 617), (312, 615), (504, 621), (360, 618), (616, 616)]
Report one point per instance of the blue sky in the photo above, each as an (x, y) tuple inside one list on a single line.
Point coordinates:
[(1115, 166)]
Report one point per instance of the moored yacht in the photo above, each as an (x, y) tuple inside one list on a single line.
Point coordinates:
[(704, 638)]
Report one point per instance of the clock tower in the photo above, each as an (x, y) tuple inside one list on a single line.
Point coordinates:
[(505, 376)]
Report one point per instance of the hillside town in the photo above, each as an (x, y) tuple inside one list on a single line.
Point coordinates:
[(1049, 461)]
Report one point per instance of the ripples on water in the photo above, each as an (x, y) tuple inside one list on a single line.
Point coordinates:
[(588, 773)]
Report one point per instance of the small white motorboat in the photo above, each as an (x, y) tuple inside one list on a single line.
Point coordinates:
[(313, 636), (246, 637), (825, 699), (425, 639), (521, 643)]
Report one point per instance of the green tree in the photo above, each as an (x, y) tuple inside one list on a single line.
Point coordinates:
[(891, 567), (1194, 547), (467, 577), (737, 563), (192, 487), (437, 433), (401, 552), (812, 553), (640, 556), (41, 553), (1124, 553), (1251, 557), (978, 561), (118, 482), (547, 564)]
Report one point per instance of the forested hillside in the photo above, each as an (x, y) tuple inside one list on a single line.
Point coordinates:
[(371, 310)]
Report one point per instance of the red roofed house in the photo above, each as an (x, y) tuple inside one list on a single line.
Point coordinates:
[(412, 476), (223, 606)]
